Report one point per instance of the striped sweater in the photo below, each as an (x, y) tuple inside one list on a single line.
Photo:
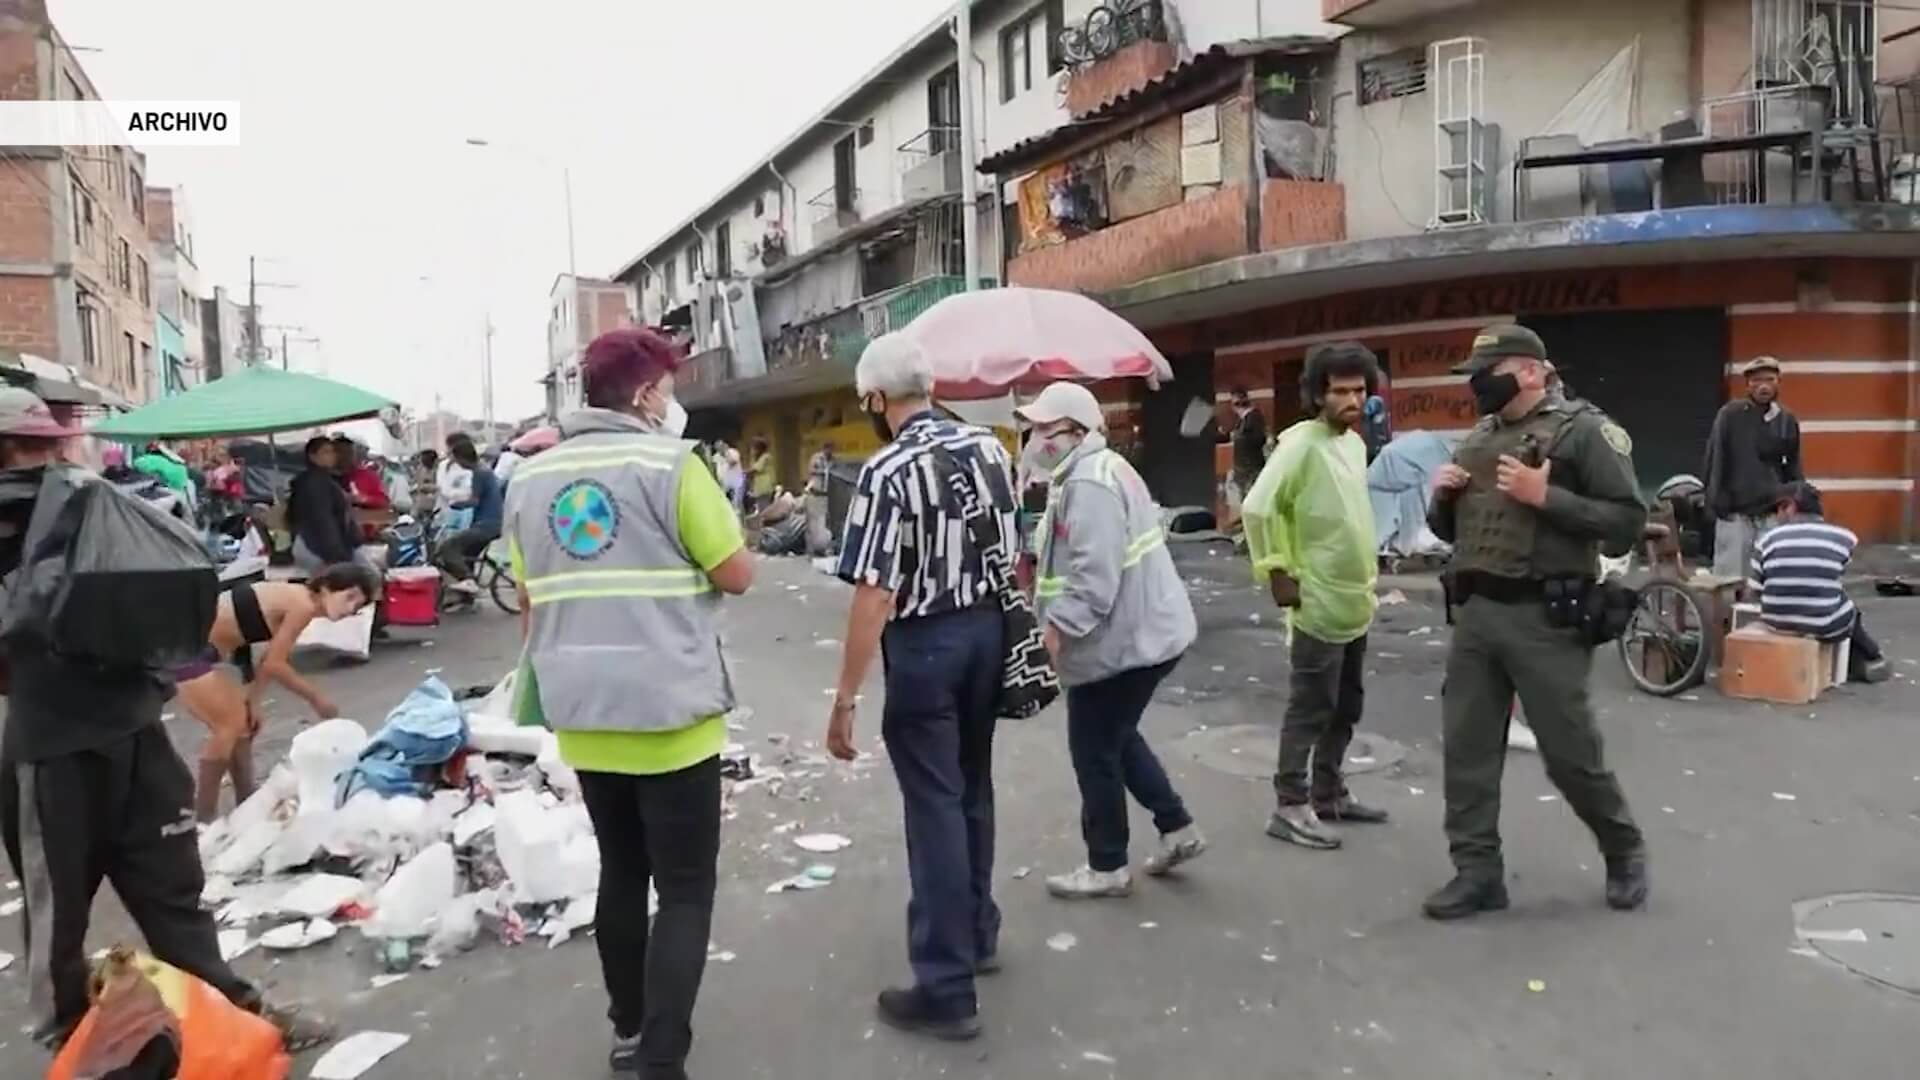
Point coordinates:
[(1797, 569)]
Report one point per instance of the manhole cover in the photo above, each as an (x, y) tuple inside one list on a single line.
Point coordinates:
[(1874, 935), (1250, 749)]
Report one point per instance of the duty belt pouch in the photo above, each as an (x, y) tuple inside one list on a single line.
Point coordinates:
[(1609, 608), (1566, 602)]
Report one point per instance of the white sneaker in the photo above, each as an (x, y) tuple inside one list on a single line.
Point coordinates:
[(1087, 883), (464, 585), (1521, 737), (1176, 847)]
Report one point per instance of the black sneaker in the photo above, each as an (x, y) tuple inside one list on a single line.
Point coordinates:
[(624, 1058), (909, 1010), (1348, 810), (1466, 895), (1626, 882)]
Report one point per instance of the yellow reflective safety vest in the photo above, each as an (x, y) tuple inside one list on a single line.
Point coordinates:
[(624, 633), (1106, 578)]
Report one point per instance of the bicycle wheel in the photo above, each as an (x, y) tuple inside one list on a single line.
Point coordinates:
[(1073, 47), (1103, 33), (1665, 644), (505, 590)]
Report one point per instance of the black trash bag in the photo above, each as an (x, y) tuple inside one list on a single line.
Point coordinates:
[(108, 577)]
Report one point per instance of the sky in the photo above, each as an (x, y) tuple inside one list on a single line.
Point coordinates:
[(355, 185)]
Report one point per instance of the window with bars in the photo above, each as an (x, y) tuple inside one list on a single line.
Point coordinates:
[(144, 281), (1392, 75)]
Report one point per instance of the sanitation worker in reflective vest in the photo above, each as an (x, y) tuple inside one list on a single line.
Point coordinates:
[(623, 543), (1534, 494)]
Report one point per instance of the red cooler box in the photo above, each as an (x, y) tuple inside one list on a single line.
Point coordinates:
[(413, 596)]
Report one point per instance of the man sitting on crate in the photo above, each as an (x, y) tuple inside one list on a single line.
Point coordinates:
[(1797, 570)]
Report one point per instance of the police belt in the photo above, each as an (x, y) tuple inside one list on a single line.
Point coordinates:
[(1498, 589)]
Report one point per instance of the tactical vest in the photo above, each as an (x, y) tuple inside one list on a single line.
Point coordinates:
[(1493, 533), (624, 634), (1144, 532)]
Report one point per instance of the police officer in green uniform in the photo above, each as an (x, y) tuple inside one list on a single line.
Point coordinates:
[(1541, 486)]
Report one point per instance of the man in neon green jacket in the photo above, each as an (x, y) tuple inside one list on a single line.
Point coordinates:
[(1310, 533)]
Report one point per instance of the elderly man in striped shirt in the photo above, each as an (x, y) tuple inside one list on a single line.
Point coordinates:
[(924, 591), (1797, 571)]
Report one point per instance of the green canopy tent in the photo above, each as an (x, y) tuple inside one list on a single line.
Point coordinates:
[(254, 401)]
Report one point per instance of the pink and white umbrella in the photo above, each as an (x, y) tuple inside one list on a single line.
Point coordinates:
[(985, 343), (536, 440)]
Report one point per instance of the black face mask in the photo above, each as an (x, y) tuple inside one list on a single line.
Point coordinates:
[(879, 421), (1491, 392)]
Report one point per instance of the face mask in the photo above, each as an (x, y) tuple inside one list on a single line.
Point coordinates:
[(674, 423), (1048, 451), (878, 418), (1491, 392)]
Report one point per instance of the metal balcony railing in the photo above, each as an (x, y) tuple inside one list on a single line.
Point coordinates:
[(829, 205)]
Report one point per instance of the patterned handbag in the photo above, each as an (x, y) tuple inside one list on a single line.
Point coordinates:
[(1028, 682)]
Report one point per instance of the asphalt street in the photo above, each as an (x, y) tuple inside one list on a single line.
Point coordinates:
[(1261, 960)]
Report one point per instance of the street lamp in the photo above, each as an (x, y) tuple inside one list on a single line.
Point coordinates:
[(566, 179)]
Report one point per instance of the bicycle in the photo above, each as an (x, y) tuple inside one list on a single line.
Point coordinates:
[(1108, 28), (1667, 645), (494, 576)]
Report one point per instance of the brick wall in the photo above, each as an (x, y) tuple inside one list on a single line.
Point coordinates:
[(1123, 72), (19, 63), (27, 320), (1296, 213), (26, 223), (1205, 230)]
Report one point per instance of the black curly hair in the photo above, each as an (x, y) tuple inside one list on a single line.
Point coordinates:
[(1336, 358)]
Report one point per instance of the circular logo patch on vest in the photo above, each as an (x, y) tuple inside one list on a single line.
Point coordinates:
[(1617, 438), (584, 518)]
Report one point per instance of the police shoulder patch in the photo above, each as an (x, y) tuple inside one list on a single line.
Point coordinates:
[(1616, 437)]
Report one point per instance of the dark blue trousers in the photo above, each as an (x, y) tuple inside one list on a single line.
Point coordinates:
[(1111, 758), (943, 675)]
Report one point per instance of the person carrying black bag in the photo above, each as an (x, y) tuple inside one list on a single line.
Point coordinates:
[(928, 566)]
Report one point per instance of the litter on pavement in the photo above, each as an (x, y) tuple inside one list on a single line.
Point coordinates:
[(822, 843), (1062, 942), (353, 1056)]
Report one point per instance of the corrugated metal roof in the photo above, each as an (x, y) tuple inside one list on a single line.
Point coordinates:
[(1190, 72)]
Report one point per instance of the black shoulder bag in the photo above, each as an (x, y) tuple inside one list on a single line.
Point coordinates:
[(1028, 682)]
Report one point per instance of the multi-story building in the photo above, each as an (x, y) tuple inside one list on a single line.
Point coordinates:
[(1662, 190), (579, 309), (176, 288), (223, 327), (853, 225), (75, 273)]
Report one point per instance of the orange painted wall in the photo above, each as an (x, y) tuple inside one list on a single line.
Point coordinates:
[(1799, 325)]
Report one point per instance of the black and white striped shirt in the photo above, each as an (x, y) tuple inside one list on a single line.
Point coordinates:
[(1797, 569), (906, 533)]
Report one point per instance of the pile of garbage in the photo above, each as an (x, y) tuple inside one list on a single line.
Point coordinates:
[(444, 825)]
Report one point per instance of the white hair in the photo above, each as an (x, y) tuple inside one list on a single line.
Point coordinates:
[(894, 365)]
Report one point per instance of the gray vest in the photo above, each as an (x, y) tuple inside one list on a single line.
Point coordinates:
[(624, 633)]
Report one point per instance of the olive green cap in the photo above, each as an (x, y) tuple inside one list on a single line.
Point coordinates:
[(1496, 343)]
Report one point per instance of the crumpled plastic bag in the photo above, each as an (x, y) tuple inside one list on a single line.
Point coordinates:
[(319, 755), (410, 903), (138, 999)]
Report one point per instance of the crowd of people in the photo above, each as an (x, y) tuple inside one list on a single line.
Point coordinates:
[(625, 539)]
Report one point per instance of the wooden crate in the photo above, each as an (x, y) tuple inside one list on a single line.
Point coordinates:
[(1762, 665)]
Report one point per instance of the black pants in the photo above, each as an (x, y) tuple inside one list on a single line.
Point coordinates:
[(1865, 650), (1324, 704), (458, 551), (943, 675), (1110, 759), (664, 829), (122, 813)]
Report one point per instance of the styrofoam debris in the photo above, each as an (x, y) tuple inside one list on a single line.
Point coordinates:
[(12, 907), (408, 903), (822, 843), (471, 822), (1062, 942), (1098, 1058), (548, 854), (235, 944), (299, 935), (317, 896), (6, 960), (318, 755), (381, 982), (577, 915), (355, 1054)]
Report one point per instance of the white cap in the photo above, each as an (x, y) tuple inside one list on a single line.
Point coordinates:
[(1065, 401)]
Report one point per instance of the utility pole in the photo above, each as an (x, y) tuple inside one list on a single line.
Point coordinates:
[(486, 378), (969, 175), (253, 315), (285, 364)]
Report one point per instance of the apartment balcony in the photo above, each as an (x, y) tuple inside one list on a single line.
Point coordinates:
[(1209, 229), (833, 212), (1117, 50), (703, 373), (929, 164), (1374, 14)]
